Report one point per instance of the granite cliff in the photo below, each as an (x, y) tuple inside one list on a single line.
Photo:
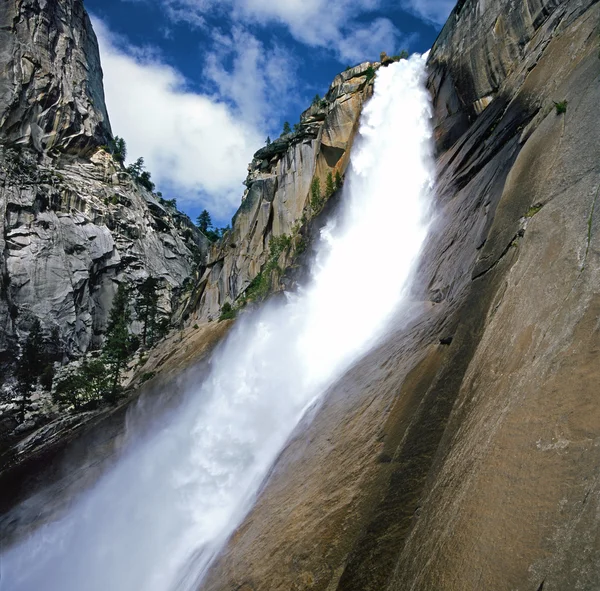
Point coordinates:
[(462, 453), (276, 205), (75, 224)]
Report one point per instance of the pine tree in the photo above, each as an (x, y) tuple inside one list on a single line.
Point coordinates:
[(135, 169), (338, 180), (268, 141), (147, 309), (117, 345), (286, 128), (204, 222), (31, 364), (119, 149), (329, 187), (89, 383), (316, 200), (144, 180)]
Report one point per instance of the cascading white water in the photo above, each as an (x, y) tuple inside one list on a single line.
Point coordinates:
[(157, 519)]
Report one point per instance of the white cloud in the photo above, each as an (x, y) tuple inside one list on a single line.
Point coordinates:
[(197, 144), (330, 24), (258, 76), (434, 11), (369, 40)]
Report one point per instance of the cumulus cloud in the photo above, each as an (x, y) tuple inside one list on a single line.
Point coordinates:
[(198, 145), (331, 24), (257, 77)]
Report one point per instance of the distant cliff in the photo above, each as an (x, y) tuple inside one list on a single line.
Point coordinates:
[(51, 93), (75, 224), (276, 207)]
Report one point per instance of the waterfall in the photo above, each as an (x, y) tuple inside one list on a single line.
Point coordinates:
[(157, 519)]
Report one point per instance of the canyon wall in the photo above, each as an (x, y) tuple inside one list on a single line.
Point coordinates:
[(462, 454)]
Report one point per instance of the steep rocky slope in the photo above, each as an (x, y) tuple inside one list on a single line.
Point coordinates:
[(75, 224), (277, 201), (462, 454)]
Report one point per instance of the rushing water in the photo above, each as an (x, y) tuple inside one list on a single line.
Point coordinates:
[(157, 519)]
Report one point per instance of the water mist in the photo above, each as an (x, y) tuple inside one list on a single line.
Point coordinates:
[(156, 520)]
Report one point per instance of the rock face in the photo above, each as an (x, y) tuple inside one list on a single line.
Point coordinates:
[(277, 200), (71, 233), (51, 94), (74, 223), (463, 453)]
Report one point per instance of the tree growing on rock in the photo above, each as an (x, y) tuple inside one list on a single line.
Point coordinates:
[(30, 364), (117, 346), (119, 150), (316, 201), (140, 175), (286, 128), (203, 221), (329, 186), (205, 225), (338, 180), (89, 384), (147, 309)]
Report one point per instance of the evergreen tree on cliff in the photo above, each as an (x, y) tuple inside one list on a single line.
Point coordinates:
[(31, 364), (204, 222), (147, 308), (117, 344)]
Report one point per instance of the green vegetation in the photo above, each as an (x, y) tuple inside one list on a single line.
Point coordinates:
[(119, 150), (147, 375), (300, 246), (30, 365), (316, 200), (561, 107), (277, 245), (268, 143), (117, 346), (204, 221), (297, 127), (98, 379), (85, 386), (141, 176), (369, 73), (533, 210), (259, 287), (329, 186), (319, 102), (146, 308), (403, 55), (286, 128), (205, 225), (227, 312), (338, 180)]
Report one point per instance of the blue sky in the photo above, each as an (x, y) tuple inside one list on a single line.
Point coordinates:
[(195, 86)]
